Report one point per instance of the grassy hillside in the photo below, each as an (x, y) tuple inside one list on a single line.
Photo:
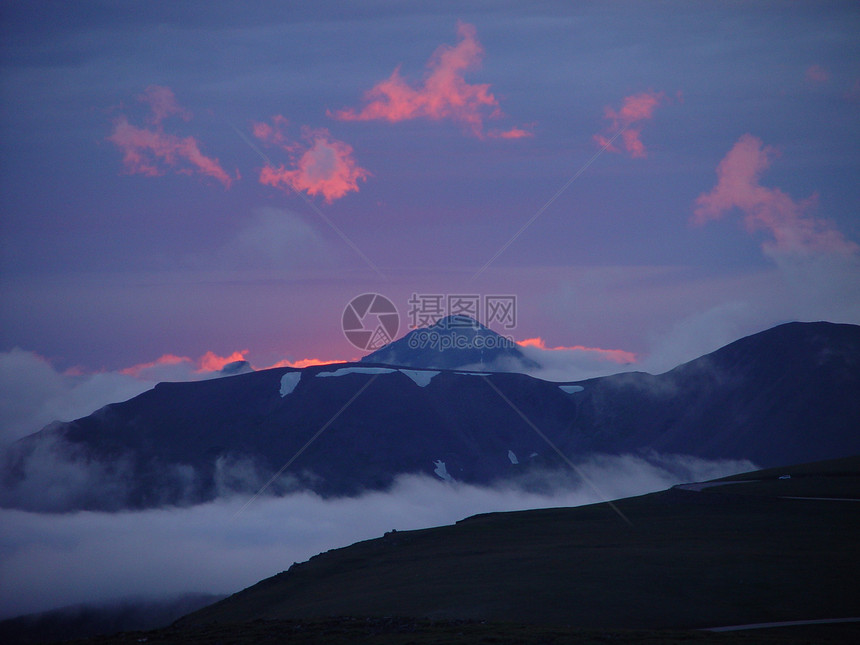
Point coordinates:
[(723, 556)]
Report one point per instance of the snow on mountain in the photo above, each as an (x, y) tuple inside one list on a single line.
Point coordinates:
[(421, 378), (343, 371), (571, 389), (289, 381)]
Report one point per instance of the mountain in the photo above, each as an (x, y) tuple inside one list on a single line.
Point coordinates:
[(454, 342), (747, 551), (782, 396)]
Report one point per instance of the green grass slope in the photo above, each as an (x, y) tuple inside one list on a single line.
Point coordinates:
[(722, 556)]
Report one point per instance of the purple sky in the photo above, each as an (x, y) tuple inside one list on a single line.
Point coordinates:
[(173, 174)]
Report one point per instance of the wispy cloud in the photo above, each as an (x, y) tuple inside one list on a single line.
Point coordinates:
[(620, 356), (817, 74), (307, 362), (634, 110), (794, 230), (152, 151), (322, 165), (443, 94), (162, 103), (513, 133)]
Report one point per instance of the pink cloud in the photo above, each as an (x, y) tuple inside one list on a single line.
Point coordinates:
[(634, 109), (619, 356), (325, 166), (817, 74), (140, 369), (151, 151), (274, 133), (308, 362), (163, 103), (148, 152), (513, 133), (770, 209), (211, 362), (444, 93)]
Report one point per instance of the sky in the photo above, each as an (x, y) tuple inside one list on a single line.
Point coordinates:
[(183, 185), (187, 184)]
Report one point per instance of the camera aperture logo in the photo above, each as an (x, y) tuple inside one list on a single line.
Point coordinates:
[(370, 321)]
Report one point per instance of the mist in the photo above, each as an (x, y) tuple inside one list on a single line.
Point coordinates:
[(50, 560)]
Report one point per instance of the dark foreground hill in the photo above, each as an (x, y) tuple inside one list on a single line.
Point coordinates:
[(721, 556), (783, 396), (725, 555)]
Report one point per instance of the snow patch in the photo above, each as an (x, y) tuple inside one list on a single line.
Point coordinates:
[(358, 370), (475, 373), (422, 378), (441, 471), (289, 381), (571, 389), (513, 457)]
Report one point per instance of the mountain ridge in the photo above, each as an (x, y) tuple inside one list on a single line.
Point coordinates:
[(778, 397)]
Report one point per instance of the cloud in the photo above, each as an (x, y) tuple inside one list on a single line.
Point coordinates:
[(211, 362), (634, 109), (162, 103), (62, 559), (308, 362), (513, 133), (573, 363), (33, 393), (443, 94), (152, 151), (817, 75), (794, 231), (323, 166), (620, 356)]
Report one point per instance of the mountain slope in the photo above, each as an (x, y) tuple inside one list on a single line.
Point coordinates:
[(782, 396), (727, 555)]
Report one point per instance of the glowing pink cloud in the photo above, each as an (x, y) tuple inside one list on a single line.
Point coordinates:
[(817, 74), (620, 356), (167, 359), (444, 93), (513, 133), (325, 166), (272, 134), (770, 209), (151, 152), (634, 109), (211, 362), (163, 103), (148, 152), (309, 362)]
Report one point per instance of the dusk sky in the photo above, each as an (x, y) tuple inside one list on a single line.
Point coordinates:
[(187, 183)]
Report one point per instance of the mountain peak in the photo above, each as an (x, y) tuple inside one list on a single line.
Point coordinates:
[(453, 342)]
